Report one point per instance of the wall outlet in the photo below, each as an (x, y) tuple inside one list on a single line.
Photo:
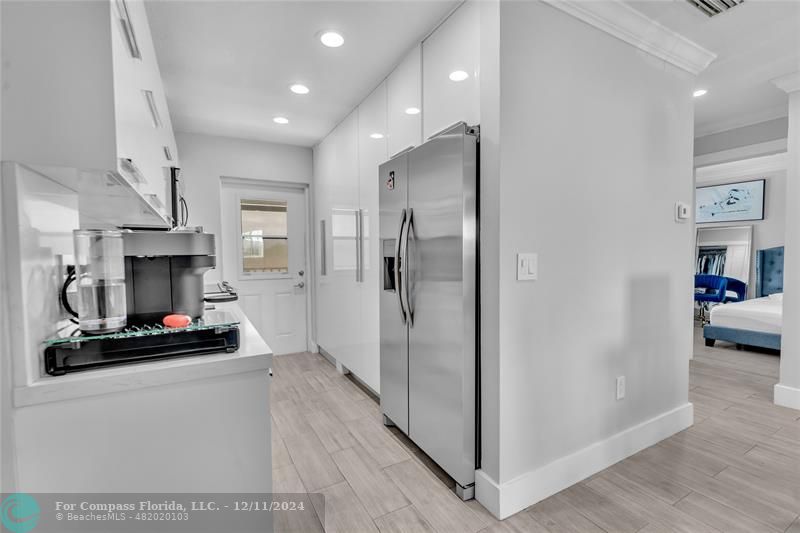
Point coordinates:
[(620, 387)]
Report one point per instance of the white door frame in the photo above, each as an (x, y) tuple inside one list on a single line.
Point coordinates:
[(311, 276)]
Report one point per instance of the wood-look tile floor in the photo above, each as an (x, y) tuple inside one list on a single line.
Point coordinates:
[(737, 469)]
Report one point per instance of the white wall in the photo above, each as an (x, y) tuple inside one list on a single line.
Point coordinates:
[(205, 159), (771, 231), (489, 231), (595, 148), (754, 134), (755, 140), (787, 392)]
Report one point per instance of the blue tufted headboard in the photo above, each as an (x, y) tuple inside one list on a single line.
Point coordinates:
[(769, 272)]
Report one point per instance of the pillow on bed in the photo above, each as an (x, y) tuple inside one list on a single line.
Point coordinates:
[(778, 296)]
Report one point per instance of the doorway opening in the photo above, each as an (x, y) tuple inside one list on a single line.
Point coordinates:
[(265, 250), (740, 231)]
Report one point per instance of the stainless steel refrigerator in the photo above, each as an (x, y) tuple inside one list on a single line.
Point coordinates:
[(429, 299)]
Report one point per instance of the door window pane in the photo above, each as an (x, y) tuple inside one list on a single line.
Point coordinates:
[(265, 237)]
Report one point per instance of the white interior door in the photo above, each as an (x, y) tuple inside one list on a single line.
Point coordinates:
[(264, 256)]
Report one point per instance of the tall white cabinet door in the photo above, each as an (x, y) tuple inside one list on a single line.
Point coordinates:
[(323, 183), (342, 312), (372, 151), (404, 103), (451, 70)]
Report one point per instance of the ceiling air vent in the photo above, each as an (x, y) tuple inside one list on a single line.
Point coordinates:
[(714, 7)]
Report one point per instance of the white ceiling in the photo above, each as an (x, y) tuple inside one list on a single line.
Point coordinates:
[(227, 65), (755, 42)]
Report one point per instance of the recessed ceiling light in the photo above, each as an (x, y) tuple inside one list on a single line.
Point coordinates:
[(412, 111), (331, 39), (280, 120), (376, 135), (299, 88), (458, 75), (699, 92)]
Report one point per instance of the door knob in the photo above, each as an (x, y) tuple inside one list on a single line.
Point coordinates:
[(300, 285), (301, 273)]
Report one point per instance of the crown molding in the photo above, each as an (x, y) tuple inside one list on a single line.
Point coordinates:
[(740, 169), (626, 23), (743, 120), (743, 152), (789, 83)]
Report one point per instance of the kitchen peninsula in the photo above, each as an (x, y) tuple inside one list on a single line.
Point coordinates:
[(193, 424)]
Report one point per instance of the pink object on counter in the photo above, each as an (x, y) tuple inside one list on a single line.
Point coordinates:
[(177, 321)]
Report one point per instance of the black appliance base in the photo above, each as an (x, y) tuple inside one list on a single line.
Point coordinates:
[(110, 351)]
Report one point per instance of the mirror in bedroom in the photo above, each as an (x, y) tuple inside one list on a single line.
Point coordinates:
[(723, 262), (725, 251)]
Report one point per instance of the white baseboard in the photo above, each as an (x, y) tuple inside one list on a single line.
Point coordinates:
[(504, 500), (787, 396)]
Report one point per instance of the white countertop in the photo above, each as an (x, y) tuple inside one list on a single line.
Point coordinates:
[(253, 356)]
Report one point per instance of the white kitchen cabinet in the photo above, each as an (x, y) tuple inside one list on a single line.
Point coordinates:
[(322, 185), (372, 151), (346, 182), (79, 98), (452, 50), (404, 103), (344, 199), (337, 207), (346, 202), (144, 128)]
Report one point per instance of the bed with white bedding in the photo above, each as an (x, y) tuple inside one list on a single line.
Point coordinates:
[(756, 322), (760, 314)]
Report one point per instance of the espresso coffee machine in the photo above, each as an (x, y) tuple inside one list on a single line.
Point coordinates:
[(163, 276), (164, 273)]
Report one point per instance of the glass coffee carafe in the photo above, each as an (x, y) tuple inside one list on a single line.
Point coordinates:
[(100, 280)]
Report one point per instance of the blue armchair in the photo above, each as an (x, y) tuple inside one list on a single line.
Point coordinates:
[(737, 286), (709, 289)]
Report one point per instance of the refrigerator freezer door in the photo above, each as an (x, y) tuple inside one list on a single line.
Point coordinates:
[(393, 177), (442, 254)]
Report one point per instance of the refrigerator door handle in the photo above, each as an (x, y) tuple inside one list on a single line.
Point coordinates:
[(405, 285), (398, 279)]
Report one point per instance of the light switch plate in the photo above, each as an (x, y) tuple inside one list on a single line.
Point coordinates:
[(527, 267)]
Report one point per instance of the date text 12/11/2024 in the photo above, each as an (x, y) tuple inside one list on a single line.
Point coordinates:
[(175, 513), (174, 506)]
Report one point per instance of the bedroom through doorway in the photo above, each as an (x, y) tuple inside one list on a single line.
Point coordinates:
[(740, 221)]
